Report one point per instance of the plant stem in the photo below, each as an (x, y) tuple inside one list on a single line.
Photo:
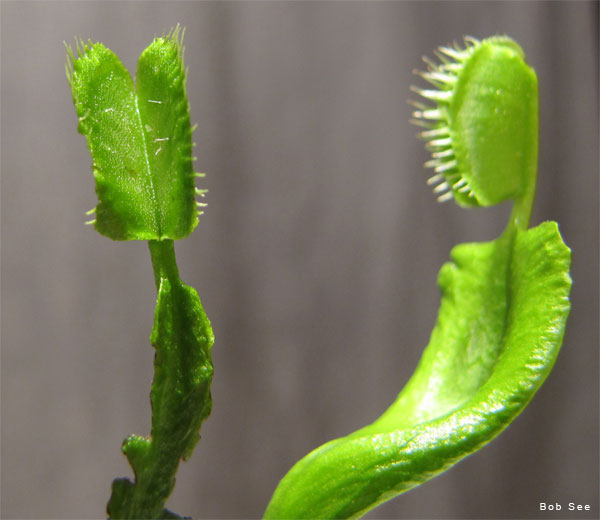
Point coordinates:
[(522, 206), (162, 253)]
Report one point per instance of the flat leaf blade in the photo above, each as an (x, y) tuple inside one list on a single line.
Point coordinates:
[(347, 477), (183, 338), (181, 401)]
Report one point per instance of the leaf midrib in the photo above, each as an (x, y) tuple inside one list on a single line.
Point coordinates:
[(149, 168)]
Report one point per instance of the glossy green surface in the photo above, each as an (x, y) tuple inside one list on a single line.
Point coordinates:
[(498, 333), (139, 138), (504, 303)]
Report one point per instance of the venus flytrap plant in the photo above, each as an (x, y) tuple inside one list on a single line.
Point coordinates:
[(139, 137), (504, 303)]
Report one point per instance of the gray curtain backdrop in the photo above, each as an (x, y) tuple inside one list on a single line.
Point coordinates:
[(316, 259)]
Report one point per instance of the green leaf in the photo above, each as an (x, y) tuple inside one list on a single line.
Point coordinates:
[(499, 330), (504, 303), (182, 337), (139, 138)]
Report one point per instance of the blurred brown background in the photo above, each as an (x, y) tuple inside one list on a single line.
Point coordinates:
[(316, 259)]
